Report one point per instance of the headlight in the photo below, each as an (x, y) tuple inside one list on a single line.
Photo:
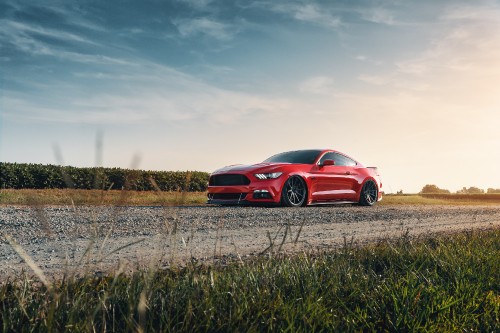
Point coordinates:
[(273, 175)]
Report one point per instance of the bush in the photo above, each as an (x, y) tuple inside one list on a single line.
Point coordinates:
[(432, 189), (39, 176), (471, 190)]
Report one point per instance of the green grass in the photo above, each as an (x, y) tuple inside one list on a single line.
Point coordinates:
[(441, 283)]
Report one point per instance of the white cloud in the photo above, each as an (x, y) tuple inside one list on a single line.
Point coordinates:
[(320, 85), (460, 66), (378, 15), (9, 28), (198, 4), (365, 58), (467, 47), (21, 36), (211, 106), (471, 13), (375, 80), (310, 13), (148, 93), (205, 26)]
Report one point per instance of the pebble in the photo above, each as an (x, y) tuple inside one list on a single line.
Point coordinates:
[(58, 232), (64, 223)]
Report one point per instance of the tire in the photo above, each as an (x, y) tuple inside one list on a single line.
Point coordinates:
[(294, 193), (369, 194)]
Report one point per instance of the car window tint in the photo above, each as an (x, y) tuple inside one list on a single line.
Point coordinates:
[(339, 159), (298, 157), (342, 160), (327, 156)]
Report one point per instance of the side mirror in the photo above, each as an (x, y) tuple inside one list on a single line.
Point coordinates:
[(327, 162)]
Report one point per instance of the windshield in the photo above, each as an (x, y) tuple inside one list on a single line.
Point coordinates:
[(297, 157)]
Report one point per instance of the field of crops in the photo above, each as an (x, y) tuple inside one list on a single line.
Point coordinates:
[(39, 176)]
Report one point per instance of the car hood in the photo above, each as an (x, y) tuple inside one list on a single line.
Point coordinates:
[(249, 168)]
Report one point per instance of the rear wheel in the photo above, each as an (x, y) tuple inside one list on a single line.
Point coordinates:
[(369, 194), (294, 192)]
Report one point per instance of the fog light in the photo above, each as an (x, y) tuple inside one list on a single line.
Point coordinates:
[(261, 194)]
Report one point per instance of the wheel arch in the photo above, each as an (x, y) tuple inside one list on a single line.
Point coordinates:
[(303, 177), (362, 184)]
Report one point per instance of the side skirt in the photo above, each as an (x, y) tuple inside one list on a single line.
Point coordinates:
[(321, 203)]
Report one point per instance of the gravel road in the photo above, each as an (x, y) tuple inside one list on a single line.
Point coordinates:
[(99, 239)]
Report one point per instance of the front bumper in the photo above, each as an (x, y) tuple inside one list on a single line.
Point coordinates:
[(241, 203), (266, 192)]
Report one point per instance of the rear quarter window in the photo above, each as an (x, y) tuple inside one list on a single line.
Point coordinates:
[(342, 160)]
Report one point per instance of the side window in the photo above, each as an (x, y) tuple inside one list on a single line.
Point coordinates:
[(342, 160), (327, 156)]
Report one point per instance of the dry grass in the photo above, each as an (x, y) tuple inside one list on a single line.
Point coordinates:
[(99, 197), (412, 200), (158, 198), (415, 199)]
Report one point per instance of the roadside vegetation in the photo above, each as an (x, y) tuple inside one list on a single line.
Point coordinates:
[(39, 176), (439, 283), (440, 199), (433, 189), (100, 197), (162, 198), (28, 184)]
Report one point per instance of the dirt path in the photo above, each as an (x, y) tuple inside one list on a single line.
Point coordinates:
[(96, 239)]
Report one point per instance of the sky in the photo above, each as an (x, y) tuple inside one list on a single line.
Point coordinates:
[(412, 87)]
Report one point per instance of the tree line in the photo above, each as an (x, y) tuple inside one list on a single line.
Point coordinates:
[(433, 189), (40, 176)]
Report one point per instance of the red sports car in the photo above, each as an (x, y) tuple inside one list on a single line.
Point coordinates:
[(297, 178)]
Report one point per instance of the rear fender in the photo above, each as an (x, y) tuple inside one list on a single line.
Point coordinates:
[(373, 179)]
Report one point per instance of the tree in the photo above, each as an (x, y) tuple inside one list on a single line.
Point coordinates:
[(493, 190), (471, 190), (430, 188)]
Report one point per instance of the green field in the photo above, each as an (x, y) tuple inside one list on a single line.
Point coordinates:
[(443, 283)]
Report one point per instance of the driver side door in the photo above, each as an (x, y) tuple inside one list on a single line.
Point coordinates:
[(333, 182)]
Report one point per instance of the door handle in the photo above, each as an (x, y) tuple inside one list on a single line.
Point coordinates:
[(347, 172)]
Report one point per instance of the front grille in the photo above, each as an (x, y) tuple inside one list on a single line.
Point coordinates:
[(227, 196), (228, 180)]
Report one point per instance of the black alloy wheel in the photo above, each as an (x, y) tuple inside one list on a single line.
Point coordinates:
[(369, 194), (294, 192)]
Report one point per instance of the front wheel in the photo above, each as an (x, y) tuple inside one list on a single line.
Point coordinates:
[(369, 194), (294, 192)]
